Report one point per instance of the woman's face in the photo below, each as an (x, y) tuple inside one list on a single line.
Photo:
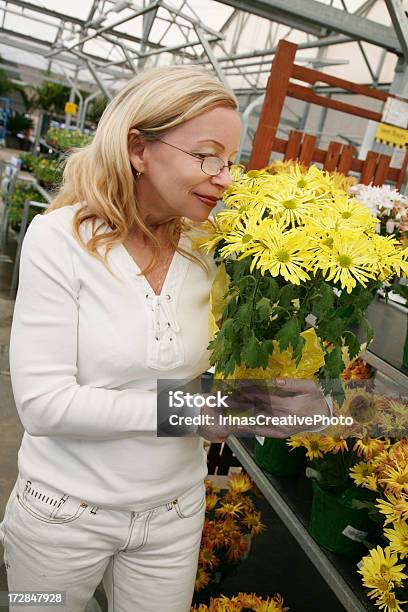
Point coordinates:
[(172, 182)]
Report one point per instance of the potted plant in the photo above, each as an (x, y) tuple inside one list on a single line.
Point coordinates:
[(64, 139), (48, 172), (231, 520), (22, 192), (383, 568), (299, 263)]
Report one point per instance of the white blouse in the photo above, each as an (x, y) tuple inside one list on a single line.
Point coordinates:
[(86, 351)]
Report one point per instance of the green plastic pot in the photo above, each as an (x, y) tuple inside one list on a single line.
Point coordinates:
[(336, 525), (276, 457)]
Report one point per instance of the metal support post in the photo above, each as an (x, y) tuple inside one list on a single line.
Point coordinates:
[(211, 56), (99, 81)]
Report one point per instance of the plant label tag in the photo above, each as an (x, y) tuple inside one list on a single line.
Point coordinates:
[(354, 534)]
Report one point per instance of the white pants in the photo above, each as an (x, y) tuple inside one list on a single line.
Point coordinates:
[(146, 560)]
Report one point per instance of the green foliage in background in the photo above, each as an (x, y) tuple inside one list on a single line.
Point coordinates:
[(67, 139), (28, 161), (96, 108), (48, 172), (51, 97), (23, 192)]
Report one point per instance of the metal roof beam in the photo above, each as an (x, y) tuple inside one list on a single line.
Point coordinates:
[(44, 11), (76, 21), (320, 42), (327, 17), (398, 10), (104, 29), (39, 48)]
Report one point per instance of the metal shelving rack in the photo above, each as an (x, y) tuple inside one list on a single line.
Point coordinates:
[(291, 500)]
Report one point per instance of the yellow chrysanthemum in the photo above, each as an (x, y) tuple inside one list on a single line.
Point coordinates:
[(394, 508), (353, 214), (310, 179), (208, 558), (246, 233), (381, 571), (391, 259), (336, 444), (389, 603), (253, 522), (349, 261), (315, 446), (202, 579), (369, 447), (211, 501), (282, 253), (363, 475), (290, 204), (239, 483), (229, 509), (395, 479), (398, 537)]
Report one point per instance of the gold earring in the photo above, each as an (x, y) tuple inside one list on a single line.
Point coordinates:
[(138, 173)]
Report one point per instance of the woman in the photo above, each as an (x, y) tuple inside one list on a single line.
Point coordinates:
[(111, 298)]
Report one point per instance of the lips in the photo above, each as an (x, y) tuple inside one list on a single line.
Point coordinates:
[(207, 199)]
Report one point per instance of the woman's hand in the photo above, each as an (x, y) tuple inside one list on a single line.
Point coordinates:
[(255, 407)]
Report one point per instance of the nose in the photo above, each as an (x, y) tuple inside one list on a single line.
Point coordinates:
[(223, 178)]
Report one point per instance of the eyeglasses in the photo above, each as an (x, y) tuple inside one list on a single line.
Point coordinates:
[(210, 164)]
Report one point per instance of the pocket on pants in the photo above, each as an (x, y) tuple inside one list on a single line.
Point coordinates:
[(191, 503), (48, 505)]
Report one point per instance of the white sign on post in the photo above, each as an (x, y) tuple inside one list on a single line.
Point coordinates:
[(396, 112)]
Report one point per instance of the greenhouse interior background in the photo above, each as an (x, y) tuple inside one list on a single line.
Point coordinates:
[(320, 83)]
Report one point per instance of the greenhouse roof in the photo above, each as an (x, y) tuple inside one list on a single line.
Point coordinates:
[(99, 44)]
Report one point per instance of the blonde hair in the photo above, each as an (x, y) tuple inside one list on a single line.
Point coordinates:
[(100, 177)]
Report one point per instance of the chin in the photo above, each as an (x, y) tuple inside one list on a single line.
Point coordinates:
[(198, 217)]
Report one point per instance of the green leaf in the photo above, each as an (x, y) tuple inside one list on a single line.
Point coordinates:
[(243, 315), (250, 351), (231, 308), (334, 363), (298, 349), (363, 298), (238, 269), (345, 312), (227, 329), (332, 330), (288, 334), (368, 330), (217, 348), (286, 295), (270, 288), (229, 367), (263, 306), (267, 346), (323, 301), (254, 353), (352, 343)]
